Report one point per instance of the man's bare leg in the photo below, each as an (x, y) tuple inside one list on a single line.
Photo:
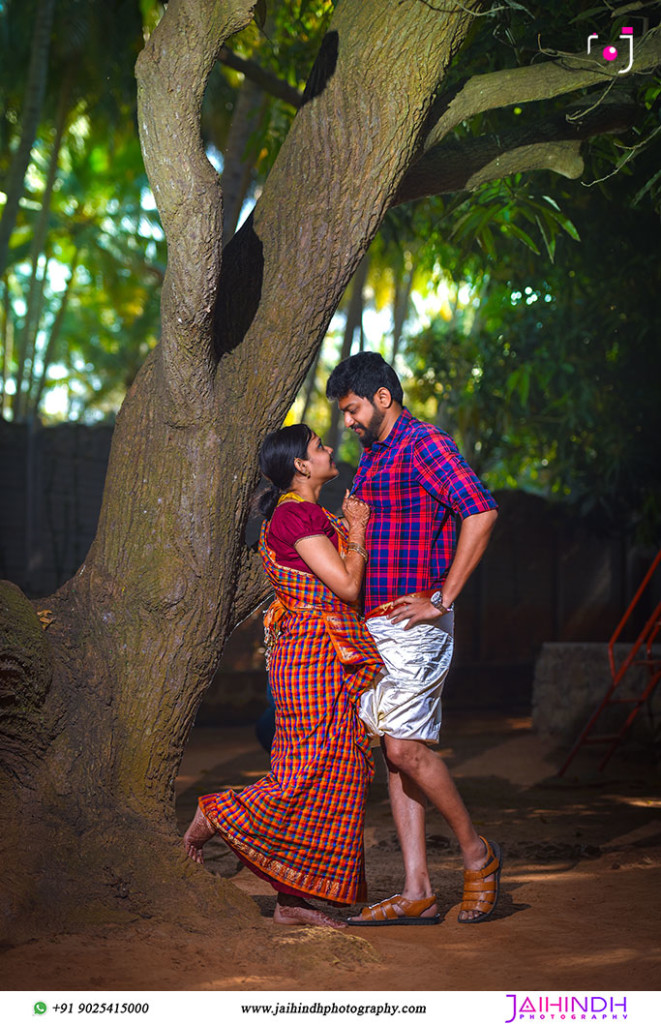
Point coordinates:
[(408, 810), (296, 910), (417, 764), (408, 804)]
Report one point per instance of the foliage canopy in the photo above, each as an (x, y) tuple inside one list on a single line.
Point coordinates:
[(561, 312)]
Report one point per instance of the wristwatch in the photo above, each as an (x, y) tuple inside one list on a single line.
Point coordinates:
[(437, 601)]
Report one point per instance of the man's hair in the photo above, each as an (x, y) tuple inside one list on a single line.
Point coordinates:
[(363, 374)]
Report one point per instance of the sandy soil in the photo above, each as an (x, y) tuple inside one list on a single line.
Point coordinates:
[(581, 880)]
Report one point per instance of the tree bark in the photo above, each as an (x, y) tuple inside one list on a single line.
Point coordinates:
[(135, 636), (353, 323)]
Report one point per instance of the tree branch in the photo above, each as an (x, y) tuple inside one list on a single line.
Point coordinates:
[(266, 80), (346, 152), (536, 82), (553, 144), (172, 73)]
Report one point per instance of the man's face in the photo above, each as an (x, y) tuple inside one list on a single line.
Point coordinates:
[(361, 416)]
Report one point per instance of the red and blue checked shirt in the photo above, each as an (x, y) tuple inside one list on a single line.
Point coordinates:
[(417, 484)]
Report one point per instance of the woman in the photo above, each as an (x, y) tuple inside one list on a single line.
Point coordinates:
[(301, 827)]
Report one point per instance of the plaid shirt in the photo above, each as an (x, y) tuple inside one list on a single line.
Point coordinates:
[(416, 484)]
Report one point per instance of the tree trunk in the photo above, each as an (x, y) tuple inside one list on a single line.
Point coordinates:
[(310, 385), (53, 338), (97, 708), (28, 334), (354, 322), (400, 307), (34, 98), (27, 348), (7, 343)]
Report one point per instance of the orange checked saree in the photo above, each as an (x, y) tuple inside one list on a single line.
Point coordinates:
[(301, 826)]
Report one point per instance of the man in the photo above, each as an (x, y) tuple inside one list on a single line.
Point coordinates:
[(417, 484)]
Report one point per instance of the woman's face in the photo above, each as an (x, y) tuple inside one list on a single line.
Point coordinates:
[(319, 461)]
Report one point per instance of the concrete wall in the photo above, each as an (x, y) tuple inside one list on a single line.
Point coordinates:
[(572, 679), (545, 577), (51, 484)]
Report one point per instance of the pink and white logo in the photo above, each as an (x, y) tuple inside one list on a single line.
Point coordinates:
[(609, 53), (536, 1007)]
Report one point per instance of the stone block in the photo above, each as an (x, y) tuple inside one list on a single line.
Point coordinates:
[(571, 679)]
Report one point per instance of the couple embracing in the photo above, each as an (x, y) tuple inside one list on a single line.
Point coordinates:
[(346, 672)]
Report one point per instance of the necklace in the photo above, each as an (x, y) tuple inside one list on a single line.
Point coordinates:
[(290, 496)]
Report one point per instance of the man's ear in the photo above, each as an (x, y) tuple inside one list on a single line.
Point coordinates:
[(382, 399)]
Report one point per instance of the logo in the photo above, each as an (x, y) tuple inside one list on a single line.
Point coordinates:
[(40, 1008), (609, 53), (553, 1008)]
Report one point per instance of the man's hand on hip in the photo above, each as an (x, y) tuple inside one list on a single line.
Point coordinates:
[(417, 610)]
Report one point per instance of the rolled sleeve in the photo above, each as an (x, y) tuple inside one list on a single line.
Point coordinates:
[(445, 474)]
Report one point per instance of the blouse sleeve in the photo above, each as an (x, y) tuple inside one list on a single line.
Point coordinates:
[(294, 521)]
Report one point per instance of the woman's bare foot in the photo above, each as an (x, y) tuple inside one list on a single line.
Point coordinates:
[(197, 834), (295, 910)]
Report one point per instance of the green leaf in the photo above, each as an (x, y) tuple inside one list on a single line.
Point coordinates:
[(485, 238), (522, 236), (549, 239), (584, 15), (646, 188), (260, 14), (565, 223)]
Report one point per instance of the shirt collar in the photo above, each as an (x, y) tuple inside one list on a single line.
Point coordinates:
[(399, 427)]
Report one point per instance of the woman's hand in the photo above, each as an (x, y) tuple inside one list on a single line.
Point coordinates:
[(356, 512), (344, 576)]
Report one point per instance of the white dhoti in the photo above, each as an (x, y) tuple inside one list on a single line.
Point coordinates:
[(406, 701)]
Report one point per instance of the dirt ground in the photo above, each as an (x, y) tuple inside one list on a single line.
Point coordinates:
[(579, 903)]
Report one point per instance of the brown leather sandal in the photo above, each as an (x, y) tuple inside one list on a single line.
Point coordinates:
[(478, 894), (396, 910)]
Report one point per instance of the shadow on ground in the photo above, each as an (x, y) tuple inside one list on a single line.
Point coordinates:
[(582, 869)]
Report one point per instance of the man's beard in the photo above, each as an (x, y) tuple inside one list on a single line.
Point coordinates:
[(371, 429)]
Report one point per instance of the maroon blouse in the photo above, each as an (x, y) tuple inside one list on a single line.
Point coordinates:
[(292, 521)]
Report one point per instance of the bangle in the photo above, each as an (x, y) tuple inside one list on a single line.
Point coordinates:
[(357, 547)]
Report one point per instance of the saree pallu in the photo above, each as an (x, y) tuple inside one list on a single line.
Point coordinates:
[(301, 826)]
